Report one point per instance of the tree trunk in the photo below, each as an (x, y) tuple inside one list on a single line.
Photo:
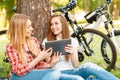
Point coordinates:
[(39, 11)]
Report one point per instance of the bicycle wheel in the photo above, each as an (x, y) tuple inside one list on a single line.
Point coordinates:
[(117, 40), (95, 45)]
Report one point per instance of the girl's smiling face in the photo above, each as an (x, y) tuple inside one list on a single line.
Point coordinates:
[(29, 28), (56, 26)]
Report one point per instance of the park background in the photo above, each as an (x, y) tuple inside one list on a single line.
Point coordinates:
[(39, 8)]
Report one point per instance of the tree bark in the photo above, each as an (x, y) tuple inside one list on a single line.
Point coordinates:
[(39, 11)]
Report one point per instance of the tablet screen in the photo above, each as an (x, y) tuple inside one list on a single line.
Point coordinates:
[(58, 45)]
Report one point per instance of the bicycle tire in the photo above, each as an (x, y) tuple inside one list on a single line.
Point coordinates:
[(95, 45), (117, 38)]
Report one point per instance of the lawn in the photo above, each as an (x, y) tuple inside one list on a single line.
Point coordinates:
[(4, 67)]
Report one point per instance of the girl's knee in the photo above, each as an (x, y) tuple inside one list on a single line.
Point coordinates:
[(55, 75), (70, 77), (78, 78), (91, 65)]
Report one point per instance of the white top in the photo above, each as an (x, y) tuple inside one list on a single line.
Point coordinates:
[(62, 64)]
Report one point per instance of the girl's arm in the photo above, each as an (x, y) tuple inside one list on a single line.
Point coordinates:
[(73, 50), (74, 58), (74, 54)]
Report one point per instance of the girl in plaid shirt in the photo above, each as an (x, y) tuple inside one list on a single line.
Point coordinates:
[(24, 52)]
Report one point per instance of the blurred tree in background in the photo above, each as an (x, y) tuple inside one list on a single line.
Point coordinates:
[(6, 11), (116, 9), (6, 8)]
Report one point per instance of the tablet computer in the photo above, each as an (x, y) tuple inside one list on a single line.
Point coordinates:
[(58, 45)]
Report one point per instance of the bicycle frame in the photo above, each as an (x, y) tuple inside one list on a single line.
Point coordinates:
[(84, 45)]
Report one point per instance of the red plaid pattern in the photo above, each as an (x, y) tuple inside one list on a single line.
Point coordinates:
[(17, 67)]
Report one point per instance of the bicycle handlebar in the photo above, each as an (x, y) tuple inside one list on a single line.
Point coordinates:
[(109, 1), (93, 15), (71, 5), (104, 6)]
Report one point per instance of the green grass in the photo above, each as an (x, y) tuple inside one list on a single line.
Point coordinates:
[(4, 67)]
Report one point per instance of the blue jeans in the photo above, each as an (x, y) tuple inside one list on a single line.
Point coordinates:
[(89, 71), (67, 76), (46, 74)]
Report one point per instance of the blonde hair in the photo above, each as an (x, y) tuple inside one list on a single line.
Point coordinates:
[(17, 35), (65, 30)]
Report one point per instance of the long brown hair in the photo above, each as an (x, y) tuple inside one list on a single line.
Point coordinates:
[(65, 30), (17, 35)]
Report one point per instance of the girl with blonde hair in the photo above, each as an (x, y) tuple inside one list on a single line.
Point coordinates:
[(24, 53)]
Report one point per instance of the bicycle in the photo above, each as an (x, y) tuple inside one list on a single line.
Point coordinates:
[(105, 60), (103, 14)]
